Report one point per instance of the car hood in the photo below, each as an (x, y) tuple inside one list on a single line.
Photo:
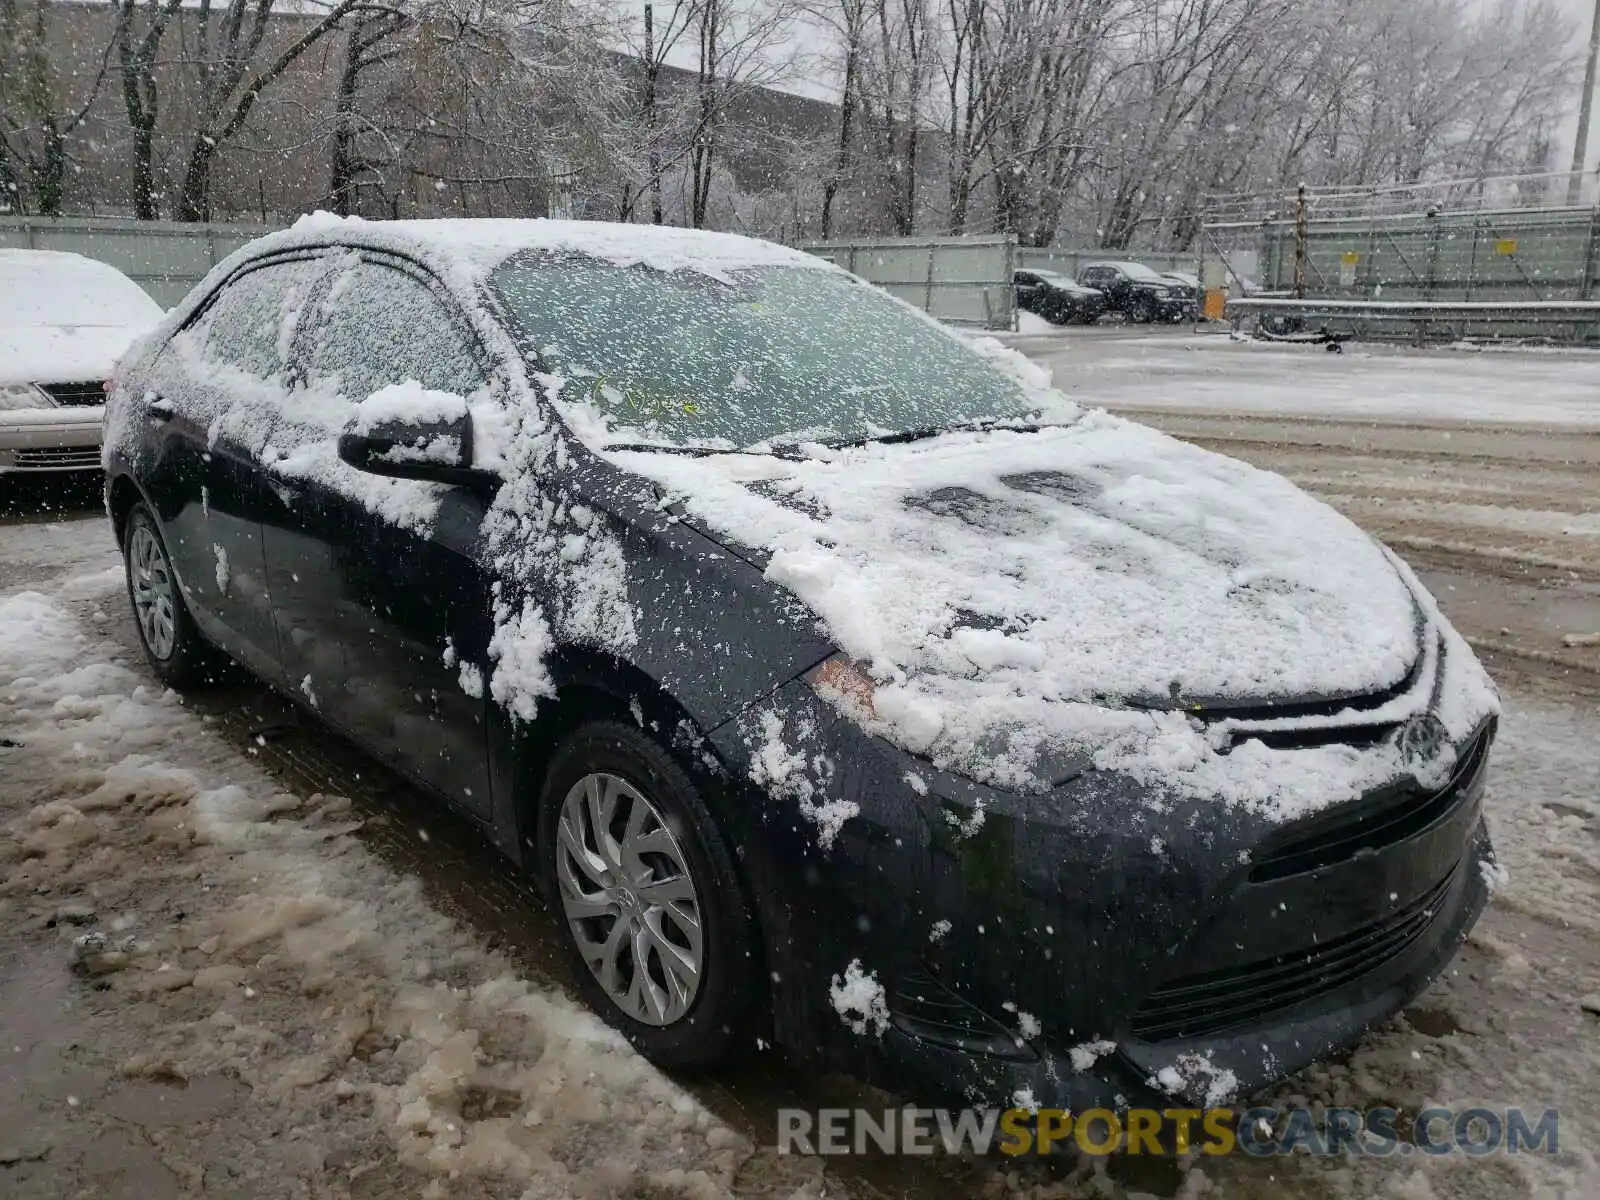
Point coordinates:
[(62, 353), (1004, 587)]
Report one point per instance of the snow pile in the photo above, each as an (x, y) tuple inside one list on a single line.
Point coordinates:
[(1087, 1054), (327, 983), (859, 999), (1197, 1078)]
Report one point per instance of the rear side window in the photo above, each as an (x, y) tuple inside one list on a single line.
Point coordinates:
[(251, 322), (379, 325)]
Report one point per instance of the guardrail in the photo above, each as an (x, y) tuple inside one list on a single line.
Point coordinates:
[(1424, 320)]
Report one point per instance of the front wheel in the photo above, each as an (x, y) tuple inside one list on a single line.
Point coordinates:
[(657, 923), (166, 631), (1142, 311)]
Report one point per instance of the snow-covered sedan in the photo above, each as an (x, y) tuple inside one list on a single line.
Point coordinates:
[(841, 683), (64, 321)]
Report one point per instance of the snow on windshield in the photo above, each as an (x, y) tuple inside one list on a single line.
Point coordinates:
[(759, 355), (1140, 271)]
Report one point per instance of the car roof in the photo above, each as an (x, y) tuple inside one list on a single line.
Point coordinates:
[(464, 251), (44, 288), (480, 244)]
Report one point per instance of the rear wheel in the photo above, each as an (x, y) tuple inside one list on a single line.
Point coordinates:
[(166, 631), (655, 916)]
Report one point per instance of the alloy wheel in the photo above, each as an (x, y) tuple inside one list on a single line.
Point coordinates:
[(629, 898), (154, 596)]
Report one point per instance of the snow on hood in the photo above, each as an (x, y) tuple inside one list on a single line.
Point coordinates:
[(1015, 594), (79, 354), (1097, 561)]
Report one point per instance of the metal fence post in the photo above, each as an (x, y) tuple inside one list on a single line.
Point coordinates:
[(1433, 259), (1300, 243), (1472, 263), (1587, 284)]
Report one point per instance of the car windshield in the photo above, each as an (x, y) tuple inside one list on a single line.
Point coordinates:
[(1140, 271), (766, 354)]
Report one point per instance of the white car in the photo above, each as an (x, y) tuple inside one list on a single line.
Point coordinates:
[(64, 321)]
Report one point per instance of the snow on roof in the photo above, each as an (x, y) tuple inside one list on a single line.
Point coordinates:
[(480, 244), (65, 318), (464, 251), (52, 288)]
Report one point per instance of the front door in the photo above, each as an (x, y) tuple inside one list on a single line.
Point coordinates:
[(215, 385), (383, 608)]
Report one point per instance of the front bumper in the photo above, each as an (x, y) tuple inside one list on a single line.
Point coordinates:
[(50, 439), (1087, 916)]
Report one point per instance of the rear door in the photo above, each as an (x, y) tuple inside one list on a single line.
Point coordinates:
[(208, 403), (383, 608)]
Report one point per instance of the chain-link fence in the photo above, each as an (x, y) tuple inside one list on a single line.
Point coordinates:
[(1511, 242)]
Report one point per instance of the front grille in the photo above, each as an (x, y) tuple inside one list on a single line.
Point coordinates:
[(76, 395), (1389, 817), (58, 458), (1204, 1004)]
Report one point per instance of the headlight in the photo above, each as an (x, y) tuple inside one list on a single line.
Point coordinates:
[(23, 395), (842, 681)]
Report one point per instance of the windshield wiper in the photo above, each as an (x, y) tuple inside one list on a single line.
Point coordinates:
[(979, 425), (668, 448)]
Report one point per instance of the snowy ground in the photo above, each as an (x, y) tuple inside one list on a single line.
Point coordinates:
[(1133, 367), (330, 990)]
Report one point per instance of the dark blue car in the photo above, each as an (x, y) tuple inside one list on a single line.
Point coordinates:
[(841, 684)]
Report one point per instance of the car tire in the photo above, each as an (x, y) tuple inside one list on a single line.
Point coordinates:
[(167, 632), (1141, 311), (626, 907)]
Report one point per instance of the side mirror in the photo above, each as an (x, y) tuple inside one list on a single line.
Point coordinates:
[(408, 432)]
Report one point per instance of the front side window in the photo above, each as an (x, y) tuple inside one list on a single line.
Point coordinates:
[(378, 325), (759, 355), (250, 323)]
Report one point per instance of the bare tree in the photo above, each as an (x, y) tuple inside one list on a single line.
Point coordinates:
[(371, 41), (36, 123), (139, 30)]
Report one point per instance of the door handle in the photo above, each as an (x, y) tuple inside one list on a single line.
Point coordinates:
[(160, 409)]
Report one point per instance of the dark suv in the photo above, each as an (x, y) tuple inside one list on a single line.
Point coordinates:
[(1139, 293), (1058, 299), (840, 684)]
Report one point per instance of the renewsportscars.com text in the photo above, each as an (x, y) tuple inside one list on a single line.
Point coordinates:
[(1260, 1132)]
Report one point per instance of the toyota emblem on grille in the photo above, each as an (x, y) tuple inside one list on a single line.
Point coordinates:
[(1421, 738)]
